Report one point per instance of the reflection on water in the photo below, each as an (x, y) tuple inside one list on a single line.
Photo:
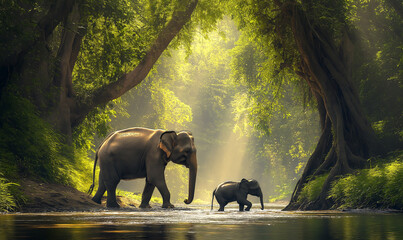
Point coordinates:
[(200, 223)]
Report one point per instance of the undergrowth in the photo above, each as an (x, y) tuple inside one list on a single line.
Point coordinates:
[(312, 189), (31, 149), (7, 200), (380, 186), (377, 187)]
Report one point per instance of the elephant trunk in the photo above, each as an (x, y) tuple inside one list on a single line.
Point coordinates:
[(192, 177), (261, 199)]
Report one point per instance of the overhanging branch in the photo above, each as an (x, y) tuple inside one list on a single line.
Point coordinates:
[(79, 110)]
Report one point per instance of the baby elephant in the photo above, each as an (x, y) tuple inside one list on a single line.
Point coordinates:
[(237, 191)]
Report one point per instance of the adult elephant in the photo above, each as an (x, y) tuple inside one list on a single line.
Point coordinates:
[(143, 153), (237, 191)]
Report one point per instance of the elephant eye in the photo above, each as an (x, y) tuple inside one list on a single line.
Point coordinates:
[(187, 150), (182, 159)]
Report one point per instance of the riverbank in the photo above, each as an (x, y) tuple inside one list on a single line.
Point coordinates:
[(52, 197)]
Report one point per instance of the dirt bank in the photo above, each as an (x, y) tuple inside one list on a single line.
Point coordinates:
[(50, 197)]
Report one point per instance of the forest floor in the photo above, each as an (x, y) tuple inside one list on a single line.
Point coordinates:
[(52, 197)]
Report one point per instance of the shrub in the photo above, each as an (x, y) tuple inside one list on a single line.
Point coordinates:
[(28, 145), (312, 189), (393, 197), (378, 187), (7, 201)]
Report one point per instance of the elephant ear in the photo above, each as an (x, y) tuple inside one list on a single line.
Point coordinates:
[(243, 184), (167, 142)]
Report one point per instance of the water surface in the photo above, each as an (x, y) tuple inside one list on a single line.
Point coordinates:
[(199, 222)]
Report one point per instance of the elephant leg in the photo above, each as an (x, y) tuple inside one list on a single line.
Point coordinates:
[(222, 203), (101, 190), (166, 196), (249, 205), (111, 190), (243, 202), (241, 206), (147, 193)]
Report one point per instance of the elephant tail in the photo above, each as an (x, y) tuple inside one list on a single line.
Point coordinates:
[(93, 174), (212, 199)]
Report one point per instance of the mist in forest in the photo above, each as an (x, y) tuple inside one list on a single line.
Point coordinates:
[(195, 90)]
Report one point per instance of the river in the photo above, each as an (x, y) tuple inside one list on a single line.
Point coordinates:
[(198, 222)]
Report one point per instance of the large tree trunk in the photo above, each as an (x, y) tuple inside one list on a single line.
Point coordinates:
[(72, 36), (347, 138)]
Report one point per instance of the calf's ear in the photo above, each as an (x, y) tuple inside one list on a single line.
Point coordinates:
[(243, 184)]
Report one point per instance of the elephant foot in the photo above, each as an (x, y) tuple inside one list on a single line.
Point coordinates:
[(146, 205), (96, 200), (112, 205), (167, 205)]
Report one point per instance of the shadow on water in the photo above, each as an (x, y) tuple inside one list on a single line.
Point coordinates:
[(201, 223)]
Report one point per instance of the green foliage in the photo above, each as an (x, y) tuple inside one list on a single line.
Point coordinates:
[(171, 110), (29, 148), (312, 189), (78, 171), (361, 190), (97, 123), (281, 192), (19, 29), (378, 187), (379, 69), (7, 201), (118, 34), (28, 145)]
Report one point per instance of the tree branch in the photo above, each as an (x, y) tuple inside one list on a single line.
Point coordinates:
[(58, 12), (129, 80)]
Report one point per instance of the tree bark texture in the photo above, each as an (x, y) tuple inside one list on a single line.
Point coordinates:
[(347, 138)]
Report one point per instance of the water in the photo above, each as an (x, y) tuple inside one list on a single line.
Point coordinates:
[(200, 223)]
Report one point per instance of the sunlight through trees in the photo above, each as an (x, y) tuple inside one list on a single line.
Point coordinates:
[(282, 91)]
